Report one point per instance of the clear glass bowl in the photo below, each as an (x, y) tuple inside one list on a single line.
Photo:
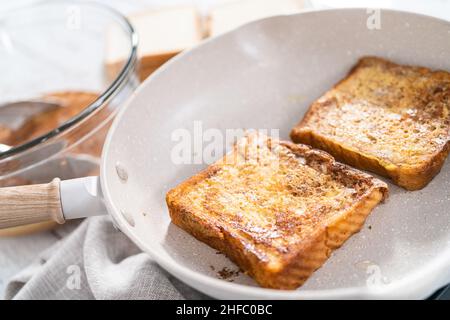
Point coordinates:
[(54, 50)]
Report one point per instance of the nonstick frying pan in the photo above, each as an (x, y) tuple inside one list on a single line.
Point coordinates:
[(263, 75)]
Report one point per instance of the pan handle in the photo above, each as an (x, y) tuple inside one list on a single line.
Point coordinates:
[(57, 201)]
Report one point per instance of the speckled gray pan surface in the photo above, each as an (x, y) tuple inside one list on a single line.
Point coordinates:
[(265, 75)]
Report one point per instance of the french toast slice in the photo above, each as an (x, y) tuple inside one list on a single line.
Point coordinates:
[(390, 119), (275, 208)]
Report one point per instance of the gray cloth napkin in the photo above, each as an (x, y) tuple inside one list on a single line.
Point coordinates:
[(96, 261)]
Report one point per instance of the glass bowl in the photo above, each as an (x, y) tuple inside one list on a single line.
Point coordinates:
[(54, 51)]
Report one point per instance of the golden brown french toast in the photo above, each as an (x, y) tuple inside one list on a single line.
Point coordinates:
[(275, 208), (390, 119)]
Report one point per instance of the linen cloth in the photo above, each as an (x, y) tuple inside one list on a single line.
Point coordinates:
[(96, 261)]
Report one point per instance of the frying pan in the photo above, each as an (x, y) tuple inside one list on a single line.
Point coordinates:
[(262, 75)]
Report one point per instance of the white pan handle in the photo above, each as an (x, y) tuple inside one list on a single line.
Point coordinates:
[(58, 201)]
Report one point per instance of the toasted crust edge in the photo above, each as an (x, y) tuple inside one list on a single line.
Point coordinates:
[(306, 257), (411, 177)]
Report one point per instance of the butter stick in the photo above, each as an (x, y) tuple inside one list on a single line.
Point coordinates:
[(163, 33)]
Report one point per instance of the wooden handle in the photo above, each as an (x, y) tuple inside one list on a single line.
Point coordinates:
[(30, 204)]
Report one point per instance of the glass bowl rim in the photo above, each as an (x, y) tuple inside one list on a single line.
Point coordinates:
[(124, 75)]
